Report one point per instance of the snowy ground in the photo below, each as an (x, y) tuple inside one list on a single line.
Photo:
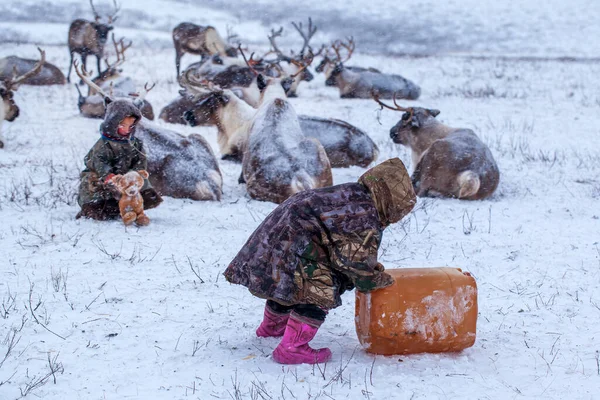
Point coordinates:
[(145, 313)]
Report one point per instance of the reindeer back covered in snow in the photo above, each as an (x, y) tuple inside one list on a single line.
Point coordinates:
[(180, 166), (279, 160)]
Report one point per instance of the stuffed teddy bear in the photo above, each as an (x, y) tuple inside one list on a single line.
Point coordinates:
[(131, 203)]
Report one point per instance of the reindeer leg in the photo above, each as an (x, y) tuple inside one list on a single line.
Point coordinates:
[(177, 61), (98, 62), (70, 66), (83, 65), (1, 137)]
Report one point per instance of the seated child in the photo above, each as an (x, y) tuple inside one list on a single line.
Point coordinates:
[(313, 247), (116, 152)]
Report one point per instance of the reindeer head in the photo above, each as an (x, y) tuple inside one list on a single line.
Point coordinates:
[(8, 87), (207, 97), (102, 29), (332, 63), (296, 64), (413, 119)]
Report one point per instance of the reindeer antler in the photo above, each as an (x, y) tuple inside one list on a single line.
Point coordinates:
[(397, 106), (275, 34), (304, 63), (189, 81), (85, 76), (17, 80), (306, 37), (120, 49), (96, 15), (231, 35), (250, 63), (338, 45), (112, 18)]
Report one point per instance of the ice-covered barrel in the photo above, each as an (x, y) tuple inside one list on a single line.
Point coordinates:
[(426, 310)]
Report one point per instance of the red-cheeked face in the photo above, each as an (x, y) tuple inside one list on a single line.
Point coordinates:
[(125, 126)]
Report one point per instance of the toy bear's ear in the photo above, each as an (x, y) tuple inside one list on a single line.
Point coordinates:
[(144, 174)]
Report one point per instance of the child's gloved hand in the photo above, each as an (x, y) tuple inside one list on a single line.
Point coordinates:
[(379, 280), (111, 187)]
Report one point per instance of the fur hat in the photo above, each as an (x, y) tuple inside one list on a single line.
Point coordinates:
[(391, 189), (116, 111)]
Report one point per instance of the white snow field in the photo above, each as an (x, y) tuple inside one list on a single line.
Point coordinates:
[(94, 310)]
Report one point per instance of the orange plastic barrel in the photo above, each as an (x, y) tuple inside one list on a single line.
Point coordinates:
[(426, 310)]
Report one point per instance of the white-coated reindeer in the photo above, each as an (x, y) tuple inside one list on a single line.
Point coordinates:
[(279, 160), (9, 110), (447, 162)]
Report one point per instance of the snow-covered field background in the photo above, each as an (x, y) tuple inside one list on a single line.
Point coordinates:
[(145, 313)]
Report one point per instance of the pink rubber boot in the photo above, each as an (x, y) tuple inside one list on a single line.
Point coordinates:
[(294, 348), (273, 324)]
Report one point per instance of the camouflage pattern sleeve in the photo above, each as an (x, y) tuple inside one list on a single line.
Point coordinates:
[(356, 257), (102, 161)]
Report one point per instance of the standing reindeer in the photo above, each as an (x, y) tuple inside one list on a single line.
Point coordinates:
[(88, 38), (363, 83), (199, 40), (447, 162), (9, 111)]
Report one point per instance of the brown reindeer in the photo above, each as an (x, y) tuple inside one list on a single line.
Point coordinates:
[(48, 75), (296, 62), (448, 162), (199, 40), (179, 166), (110, 80), (362, 83), (88, 38), (9, 111)]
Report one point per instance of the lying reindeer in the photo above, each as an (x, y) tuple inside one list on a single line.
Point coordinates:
[(279, 160), (344, 144), (89, 38), (363, 83), (200, 40), (9, 111), (449, 162), (110, 80), (180, 166), (49, 74)]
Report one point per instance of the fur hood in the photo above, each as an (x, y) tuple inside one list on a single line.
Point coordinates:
[(115, 113)]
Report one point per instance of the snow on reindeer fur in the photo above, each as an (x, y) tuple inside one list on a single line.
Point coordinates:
[(279, 161), (180, 166)]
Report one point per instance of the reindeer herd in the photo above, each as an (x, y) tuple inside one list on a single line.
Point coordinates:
[(246, 99)]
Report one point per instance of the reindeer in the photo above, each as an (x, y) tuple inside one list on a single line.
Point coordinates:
[(448, 162), (362, 83), (279, 160), (179, 166), (88, 38), (111, 80), (9, 111), (220, 107), (296, 63), (345, 144), (199, 40), (48, 75)]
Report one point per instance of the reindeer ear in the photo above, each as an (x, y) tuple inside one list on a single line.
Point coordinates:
[(434, 113), (107, 101), (144, 174), (261, 82)]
